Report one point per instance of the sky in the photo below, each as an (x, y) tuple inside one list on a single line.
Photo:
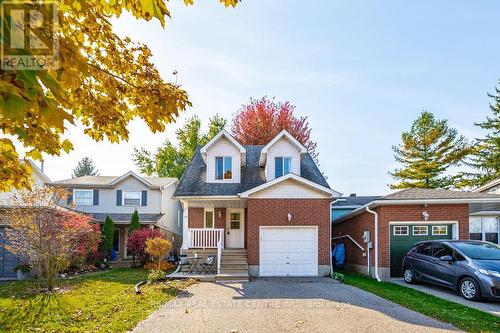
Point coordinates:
[(361, 71)]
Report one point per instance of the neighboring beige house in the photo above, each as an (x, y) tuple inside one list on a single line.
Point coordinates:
[(7, 260), (485, 218), (119, 196)]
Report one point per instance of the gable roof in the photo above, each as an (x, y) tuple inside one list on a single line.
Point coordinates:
[(112, 181), (487, 186), (193, 182), (216, 138), (287, 177), (287, 135), (38, 171)]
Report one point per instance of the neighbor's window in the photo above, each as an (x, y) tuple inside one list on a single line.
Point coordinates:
[(131, 198), (484, 228), (439, 230), (420, 230), (223, 168), (209, 219), (282, 166), (400, 230), (83, 197)]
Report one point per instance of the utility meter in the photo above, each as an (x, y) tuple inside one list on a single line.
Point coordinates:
[(366, 236)]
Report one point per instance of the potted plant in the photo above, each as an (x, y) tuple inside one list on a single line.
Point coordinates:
[(23, 271)]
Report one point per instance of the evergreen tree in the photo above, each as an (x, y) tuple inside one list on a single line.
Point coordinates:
[(107, 236), (134, 222), (85, 167), (172, 161), (426, 153), (486, 157)]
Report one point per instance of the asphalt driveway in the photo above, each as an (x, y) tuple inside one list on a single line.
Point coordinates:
[(489, 306), (285, 305)]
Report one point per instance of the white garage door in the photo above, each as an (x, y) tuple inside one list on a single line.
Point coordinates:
[(289, 251)]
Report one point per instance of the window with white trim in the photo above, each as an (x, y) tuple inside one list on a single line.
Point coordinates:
[(485, 228), (224, 168), (441, 230), (282, 166), (420, 230), (132, 198), (400, 230), (83, 197), (209, 218)]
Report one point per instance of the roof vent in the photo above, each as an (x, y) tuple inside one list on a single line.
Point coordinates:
[(352, 195)]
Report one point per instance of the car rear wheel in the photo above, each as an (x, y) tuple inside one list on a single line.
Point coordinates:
[(409, 275), (469, 289)]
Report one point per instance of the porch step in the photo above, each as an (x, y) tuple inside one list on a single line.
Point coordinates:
[(120, 264), (234, 265), (232, 277)]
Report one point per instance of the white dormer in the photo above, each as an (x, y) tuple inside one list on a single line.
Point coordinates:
[(223, 156), (281, 156)]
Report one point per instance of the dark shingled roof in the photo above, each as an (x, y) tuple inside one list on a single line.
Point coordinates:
[(193, 182), (123, 217), (354, 201), (423, 193)]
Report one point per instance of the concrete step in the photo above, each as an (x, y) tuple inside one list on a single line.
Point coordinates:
[(121, 264), (232, 277), (234, 269), (234, 264)]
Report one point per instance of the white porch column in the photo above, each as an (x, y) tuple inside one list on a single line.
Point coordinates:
[(185, 224)]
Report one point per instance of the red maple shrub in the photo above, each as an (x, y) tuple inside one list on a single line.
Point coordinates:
[(136, 243), (262, 119)]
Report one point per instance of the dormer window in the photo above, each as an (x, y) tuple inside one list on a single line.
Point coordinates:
[(224, 168), (282, 166)]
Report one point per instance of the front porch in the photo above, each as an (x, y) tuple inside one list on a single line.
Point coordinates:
[(217, 228)]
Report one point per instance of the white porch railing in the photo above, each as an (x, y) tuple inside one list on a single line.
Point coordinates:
[(204, 238)]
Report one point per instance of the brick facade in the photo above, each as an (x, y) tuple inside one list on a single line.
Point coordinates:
[(274, 212), (397, 213)]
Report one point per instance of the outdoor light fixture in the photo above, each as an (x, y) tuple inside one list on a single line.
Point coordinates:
[(289, 217), (425, 215), (220, 214)]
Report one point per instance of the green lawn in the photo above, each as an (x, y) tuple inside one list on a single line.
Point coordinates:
[(101, 302), (458, 315)]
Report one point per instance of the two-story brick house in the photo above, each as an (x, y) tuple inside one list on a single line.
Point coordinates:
[(119, 196), (268, 206)]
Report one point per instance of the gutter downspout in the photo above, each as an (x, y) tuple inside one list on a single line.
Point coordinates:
[(331, 232), (375, 214)]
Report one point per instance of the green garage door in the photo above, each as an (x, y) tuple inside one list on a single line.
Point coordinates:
[(404, 236)]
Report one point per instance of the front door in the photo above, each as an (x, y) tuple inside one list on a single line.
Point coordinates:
[(235, 228)]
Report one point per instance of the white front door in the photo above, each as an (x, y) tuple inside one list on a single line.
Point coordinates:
[(235, 228), (288, 251)]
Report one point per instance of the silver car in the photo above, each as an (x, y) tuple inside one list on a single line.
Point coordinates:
[(472, 268)]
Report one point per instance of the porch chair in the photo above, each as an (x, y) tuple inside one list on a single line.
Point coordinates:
[(208, 265), (184, 262)]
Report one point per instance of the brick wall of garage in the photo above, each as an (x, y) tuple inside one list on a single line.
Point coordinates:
[(274, 212), (355, 227), (397, 213)]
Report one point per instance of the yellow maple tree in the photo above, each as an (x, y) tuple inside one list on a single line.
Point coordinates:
[(102, 81)]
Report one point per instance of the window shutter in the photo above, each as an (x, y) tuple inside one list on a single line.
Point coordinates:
[(96, 198), (144, 200), (278, 167), (119, 197), (70, 197)]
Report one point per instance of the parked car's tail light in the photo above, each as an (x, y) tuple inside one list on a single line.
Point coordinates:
[(489, 273)]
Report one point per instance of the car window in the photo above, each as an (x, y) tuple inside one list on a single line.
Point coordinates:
[(442, 250), (425, 249)]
